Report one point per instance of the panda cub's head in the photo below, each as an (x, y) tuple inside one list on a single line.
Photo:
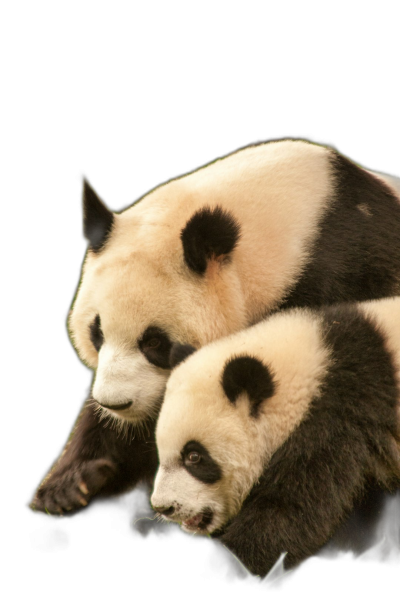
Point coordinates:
[(226, 410), (232, 404)]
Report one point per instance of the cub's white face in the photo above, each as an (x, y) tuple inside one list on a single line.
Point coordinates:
[(227, 409), (209, 448), (192, 489), (195, 489)]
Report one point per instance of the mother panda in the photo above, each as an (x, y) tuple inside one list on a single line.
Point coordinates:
[(279, 224), (269, 437)]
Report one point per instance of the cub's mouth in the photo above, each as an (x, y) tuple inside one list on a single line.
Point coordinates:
[(200, 522)]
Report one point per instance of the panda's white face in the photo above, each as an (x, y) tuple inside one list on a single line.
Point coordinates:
[(193, 490), (124, 328), (203, 485), (127, 384), (210, 450), (227, 409)]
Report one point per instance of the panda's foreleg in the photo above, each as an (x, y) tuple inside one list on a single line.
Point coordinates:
[(97, 460)]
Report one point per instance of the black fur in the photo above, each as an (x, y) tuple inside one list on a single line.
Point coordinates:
[(96, 334), (206, 470), (209, 233), (97, 219), (357, 253), (250, 375), (105, 461), (344, 445), (156, 345), (178, 354)]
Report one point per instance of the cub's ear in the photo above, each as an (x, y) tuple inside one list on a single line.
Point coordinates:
[(209, 233), (178, 353), (97, 219), (250, 375)]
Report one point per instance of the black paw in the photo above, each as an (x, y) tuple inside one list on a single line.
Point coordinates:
[(73, 487)]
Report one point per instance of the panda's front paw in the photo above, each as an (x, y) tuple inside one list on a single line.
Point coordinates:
[(73, 487)]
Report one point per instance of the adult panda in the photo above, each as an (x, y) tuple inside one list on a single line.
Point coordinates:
[(280, 224), (268, 438)]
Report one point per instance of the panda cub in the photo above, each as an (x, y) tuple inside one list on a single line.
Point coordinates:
[(268, 438), (276, 225)]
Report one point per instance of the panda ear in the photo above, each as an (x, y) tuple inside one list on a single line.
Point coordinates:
[(98, 220), (178, 353), (250, 375), (209, 233)]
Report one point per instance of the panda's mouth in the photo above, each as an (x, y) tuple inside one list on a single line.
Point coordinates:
[(199, 522)]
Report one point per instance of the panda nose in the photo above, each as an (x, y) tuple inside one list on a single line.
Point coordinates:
[(116, 406), (162, 510)]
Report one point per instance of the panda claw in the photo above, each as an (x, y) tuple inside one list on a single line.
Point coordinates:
[(53, 510), (83, 488), (82, 501)]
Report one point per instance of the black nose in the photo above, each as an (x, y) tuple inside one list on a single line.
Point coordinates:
[(116, 406), (167, 512)]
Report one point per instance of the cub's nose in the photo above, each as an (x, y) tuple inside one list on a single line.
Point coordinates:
[(163, 510)]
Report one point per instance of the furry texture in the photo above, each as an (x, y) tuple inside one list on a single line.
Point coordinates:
[(209, 233), (250, 375), (262, 227), (365, 259), (99, 458), (97, 219), (175, 261), (301, 482)]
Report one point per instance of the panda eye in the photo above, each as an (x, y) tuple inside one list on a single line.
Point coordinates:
[(193, 458), (152, 344), (96, 333), (155, 345)]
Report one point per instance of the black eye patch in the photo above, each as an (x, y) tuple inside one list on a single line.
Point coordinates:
[(156, 345), (199, 463), (96, 334)]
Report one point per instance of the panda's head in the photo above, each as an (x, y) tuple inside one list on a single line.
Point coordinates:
[(208, 438), (226, 410), (152, 276)]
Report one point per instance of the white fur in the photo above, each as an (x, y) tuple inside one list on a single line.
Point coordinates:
[(124, 375), (196, 408)]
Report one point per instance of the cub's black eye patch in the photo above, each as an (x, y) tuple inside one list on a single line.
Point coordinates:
[(96, 334), (156, 345), (199, 463)]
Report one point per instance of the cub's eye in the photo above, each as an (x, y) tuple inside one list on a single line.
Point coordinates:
[(193, 458)]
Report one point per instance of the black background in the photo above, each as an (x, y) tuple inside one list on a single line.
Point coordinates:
[(129, 131)]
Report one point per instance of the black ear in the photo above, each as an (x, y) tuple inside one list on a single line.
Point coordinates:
[(178, 353), (248, 374), (97, 219), (209, 233)]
